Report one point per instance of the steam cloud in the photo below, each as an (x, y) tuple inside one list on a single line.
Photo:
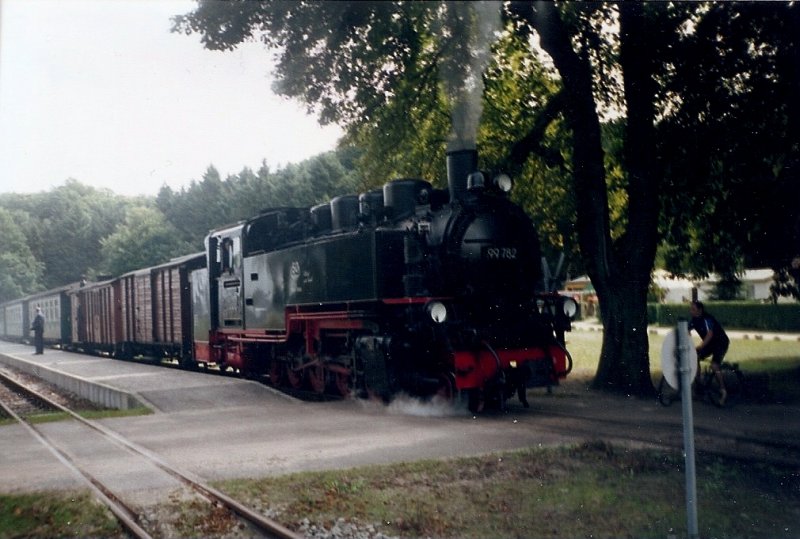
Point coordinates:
[(466, 31)]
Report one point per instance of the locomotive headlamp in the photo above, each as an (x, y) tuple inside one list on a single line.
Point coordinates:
[(437, 311), (503, 182), (476, 180), (570, 307)]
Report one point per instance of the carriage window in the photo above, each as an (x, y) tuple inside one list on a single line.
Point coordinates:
[(236, 253), (225, 258), (231, 254)]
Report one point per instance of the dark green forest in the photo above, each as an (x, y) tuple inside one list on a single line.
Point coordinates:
[(75, 231)]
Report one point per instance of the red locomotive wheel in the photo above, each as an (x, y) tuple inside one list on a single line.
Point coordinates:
[(316, 377), (276, 373), (447, 387), (342, 383), (295, 378)]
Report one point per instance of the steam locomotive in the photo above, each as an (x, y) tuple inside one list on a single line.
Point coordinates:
[(408, 288)]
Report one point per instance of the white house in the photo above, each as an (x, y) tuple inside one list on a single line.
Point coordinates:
[(676, 289), (755, 286)]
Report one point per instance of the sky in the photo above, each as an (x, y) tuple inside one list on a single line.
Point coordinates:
[(102, 92)]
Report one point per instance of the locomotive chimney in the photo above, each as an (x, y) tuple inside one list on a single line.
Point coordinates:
[(460, 164)]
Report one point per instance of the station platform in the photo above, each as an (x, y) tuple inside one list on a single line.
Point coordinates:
[(129, 384)]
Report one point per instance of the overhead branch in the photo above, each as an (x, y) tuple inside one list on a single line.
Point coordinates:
[(531, 143)]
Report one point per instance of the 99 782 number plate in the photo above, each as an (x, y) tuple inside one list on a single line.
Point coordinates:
[(500, 253)]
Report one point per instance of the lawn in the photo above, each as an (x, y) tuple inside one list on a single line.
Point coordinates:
[(771, 362)]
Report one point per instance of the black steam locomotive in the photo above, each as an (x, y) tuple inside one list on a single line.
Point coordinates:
[(405, 289)]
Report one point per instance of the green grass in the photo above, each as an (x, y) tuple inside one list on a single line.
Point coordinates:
[(591, 490), (766, 362), (47, 514), (49, 417)]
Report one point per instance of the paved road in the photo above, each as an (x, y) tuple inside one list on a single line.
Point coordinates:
[(223, 427)]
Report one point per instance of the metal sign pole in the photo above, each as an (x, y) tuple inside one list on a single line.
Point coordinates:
[(682, 347)]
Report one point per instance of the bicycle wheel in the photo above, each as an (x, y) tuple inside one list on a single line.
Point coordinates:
[(713, 390), (734, 380), (665, 393)]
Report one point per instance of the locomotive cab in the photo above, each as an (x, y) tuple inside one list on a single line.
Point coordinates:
[(225, 272)]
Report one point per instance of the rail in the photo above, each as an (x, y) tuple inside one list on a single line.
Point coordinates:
[(125, 515)]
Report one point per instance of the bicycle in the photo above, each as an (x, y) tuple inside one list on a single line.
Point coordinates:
[(707, 388)]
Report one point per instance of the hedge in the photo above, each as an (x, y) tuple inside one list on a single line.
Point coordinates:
[(733, 314)]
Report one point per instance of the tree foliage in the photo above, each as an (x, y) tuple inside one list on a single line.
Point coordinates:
[(75, 231), (19, 270), (63, 228), (674, 162), (728, 140), (214, 202), (143, 239)]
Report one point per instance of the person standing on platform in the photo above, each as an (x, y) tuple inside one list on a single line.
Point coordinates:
[(38, 331)]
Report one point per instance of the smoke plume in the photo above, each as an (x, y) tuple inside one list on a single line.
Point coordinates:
[(466, 31)]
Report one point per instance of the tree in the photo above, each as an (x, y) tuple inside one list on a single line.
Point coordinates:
[(64, 227), (732, 156), (199, 208), (20, 272), (144, 239), (619, 268)]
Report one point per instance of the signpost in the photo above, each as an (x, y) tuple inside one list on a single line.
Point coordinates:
[(679, 367)]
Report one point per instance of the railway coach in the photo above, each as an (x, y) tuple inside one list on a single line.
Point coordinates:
[(15, 320), (56, 308), (94, 317), (17, 315)]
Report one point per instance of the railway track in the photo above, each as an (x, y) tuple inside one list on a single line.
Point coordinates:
[(20, 402)]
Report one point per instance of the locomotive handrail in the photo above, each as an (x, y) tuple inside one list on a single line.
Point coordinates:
[(569, 360)]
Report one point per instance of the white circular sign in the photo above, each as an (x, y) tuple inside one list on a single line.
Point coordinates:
[(670, 363)]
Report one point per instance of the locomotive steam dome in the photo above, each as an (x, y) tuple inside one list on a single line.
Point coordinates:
[(344, 212), (401, 197)]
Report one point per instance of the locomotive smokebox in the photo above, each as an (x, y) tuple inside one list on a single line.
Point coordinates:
[(460, 164)]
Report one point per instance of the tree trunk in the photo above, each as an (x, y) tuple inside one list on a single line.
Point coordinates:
[(619, 270), (624, 358)]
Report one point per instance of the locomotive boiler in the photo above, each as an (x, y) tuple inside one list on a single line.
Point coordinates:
[(404, 289)]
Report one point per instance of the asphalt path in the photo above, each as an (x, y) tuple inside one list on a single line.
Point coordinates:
[(219, 427)]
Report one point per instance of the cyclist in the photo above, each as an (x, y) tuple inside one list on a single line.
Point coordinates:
[(715, 342)]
